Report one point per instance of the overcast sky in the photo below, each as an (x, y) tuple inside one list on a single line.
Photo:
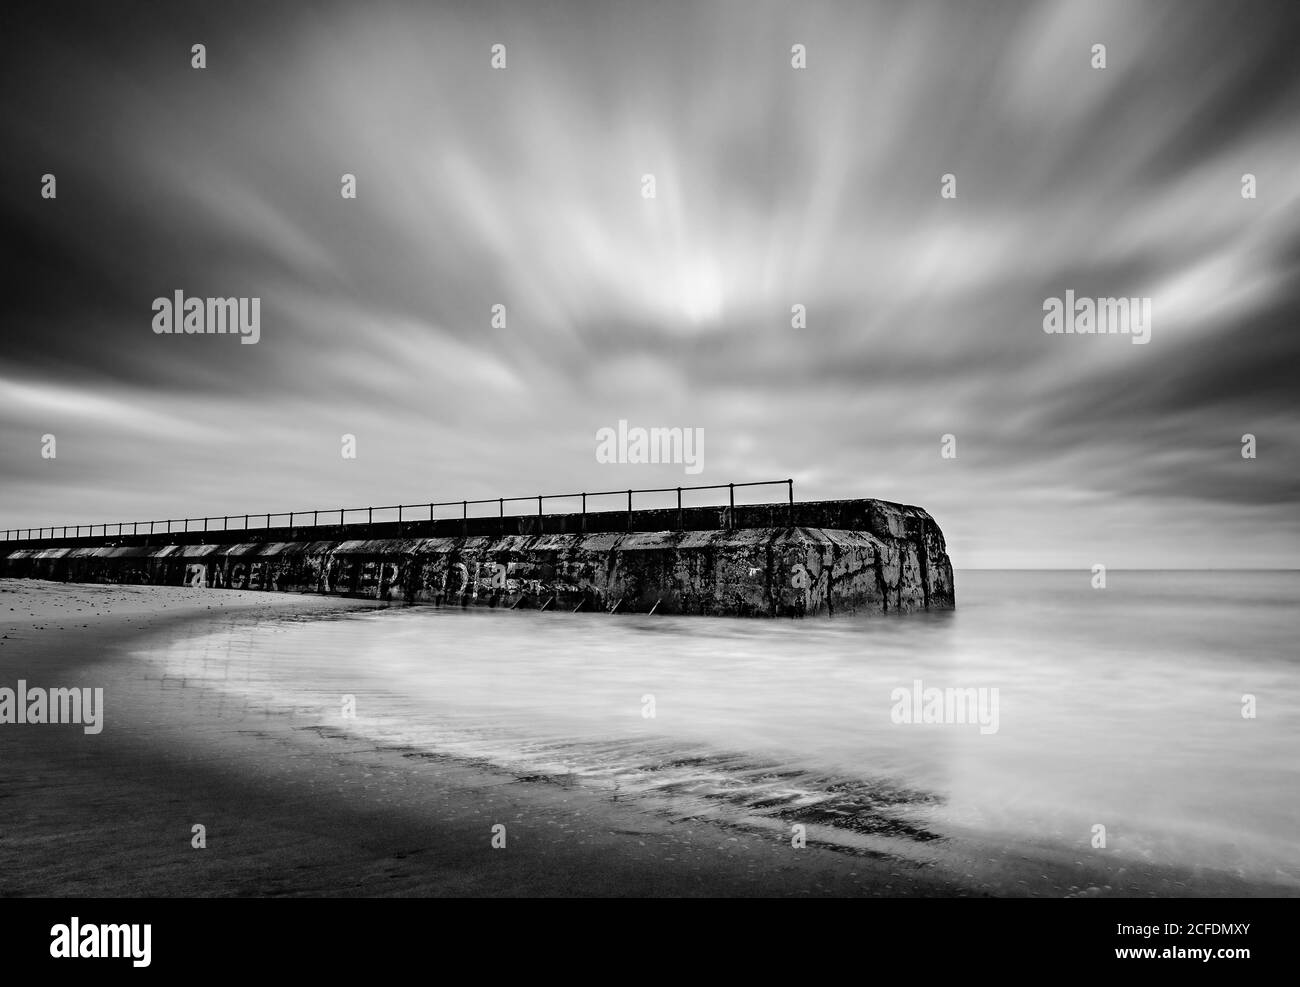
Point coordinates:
[(774, 187)]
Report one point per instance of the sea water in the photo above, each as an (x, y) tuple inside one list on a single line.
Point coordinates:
[(1164, 708)]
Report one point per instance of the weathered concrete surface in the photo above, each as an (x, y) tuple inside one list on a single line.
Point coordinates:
[(895, 560)]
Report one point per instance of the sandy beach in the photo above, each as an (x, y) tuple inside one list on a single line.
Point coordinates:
[(301, 812), (296, 808)]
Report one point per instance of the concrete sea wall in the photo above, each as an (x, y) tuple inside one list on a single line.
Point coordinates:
[(890, 558)]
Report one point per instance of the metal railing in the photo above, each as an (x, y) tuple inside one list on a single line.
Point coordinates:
[(138, 527)]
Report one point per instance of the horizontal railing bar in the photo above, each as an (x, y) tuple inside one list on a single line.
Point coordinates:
[(343, 511)]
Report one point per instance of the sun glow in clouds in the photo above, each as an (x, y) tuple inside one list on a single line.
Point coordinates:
[(774, 187)]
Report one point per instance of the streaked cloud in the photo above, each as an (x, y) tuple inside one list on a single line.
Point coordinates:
[(774, 187)]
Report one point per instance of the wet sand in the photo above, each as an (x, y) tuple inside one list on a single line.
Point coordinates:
[(305, 812), (291, 810)]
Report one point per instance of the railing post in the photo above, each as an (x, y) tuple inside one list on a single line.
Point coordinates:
[(790, 518), (225, 523), (245, 522), (314, 516), (169, 526), (501, 506), (205, 524), (268, 522), (629, 510), (464, 517), (340, 517), (731, 513), (679, 508), (584, 512)]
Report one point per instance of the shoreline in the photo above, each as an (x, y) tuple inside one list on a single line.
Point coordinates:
[(302, 811), (314, 811)]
